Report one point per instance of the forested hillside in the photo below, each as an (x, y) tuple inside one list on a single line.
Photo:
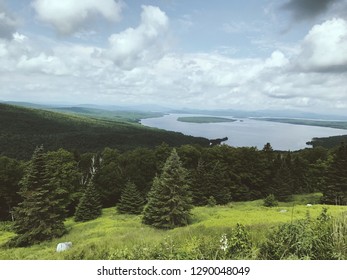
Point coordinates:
[(22, 129), (79, 166)]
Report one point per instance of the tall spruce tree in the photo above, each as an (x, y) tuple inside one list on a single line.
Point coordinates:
[(89, 206), (39, 217), (131, 201), (335, 189), (169, 201)]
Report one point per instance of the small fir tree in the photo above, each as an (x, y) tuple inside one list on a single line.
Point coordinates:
[(39, 217), (89, 207), (211, 202), (270, 201), (169, 201), (131, 201)]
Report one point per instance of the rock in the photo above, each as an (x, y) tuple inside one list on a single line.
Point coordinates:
[(309, 205), (283, 211), (64, 246)]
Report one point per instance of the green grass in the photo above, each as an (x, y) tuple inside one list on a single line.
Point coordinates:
[(204, 119), (121, 236)]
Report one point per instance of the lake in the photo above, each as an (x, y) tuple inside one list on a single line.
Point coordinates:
[(247, 132)]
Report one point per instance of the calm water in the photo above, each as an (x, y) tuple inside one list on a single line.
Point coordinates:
[(247, 132)]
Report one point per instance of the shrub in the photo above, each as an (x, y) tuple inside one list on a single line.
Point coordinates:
[(304, 239), (211, 202), (270, 201)]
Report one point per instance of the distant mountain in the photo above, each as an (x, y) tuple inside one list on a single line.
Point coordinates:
[(152, 108), (262, 114), (22, 129)]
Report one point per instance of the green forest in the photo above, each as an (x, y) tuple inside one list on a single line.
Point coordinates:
[(66, 176)]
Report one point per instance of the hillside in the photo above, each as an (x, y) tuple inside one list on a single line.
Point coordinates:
[(119, 236), (119, 115), (321, 123), (22, 129), (328, 142)]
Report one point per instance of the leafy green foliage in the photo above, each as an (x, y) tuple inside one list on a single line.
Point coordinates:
[(169, 201), (131, 201), (303, 239)]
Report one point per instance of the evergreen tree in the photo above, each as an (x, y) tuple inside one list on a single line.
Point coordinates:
[(131, 201), (169, 201), (335, 190), (200, 184), (270, 201), (89, 207), (39, 217)]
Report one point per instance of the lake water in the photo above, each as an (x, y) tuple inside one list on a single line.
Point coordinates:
[(247, 132)]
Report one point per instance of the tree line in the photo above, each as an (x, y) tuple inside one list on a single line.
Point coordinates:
[(162, 183)]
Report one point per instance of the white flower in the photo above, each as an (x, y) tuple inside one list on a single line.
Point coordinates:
[(224, 242)]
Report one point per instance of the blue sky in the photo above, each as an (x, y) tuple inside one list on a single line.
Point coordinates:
[(254, 54)]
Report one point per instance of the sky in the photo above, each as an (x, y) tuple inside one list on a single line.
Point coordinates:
[(221, 54)]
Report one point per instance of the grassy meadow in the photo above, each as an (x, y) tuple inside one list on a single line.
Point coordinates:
[(116, 236)]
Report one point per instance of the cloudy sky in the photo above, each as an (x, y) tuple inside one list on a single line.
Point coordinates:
[(253, 54)]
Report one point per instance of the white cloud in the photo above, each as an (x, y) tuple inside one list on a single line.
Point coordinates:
[(141, 44), (70, 16), (43, 63), (138, 67), (325, 47)]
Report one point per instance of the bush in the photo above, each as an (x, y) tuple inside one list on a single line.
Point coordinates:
[(303, 239), (270, 201), (211, 202)]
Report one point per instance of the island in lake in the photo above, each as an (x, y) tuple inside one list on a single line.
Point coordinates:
[(200, 119)]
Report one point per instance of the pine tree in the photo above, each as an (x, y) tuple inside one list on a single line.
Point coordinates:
[(282, 181), (39, 217), (169, 201), (131, 201), (200, 184), (89, 206), (335, 190)]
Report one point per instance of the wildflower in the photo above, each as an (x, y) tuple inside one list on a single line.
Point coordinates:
[(224, 242)]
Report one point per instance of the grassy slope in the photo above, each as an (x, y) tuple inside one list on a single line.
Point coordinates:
[(22, 129), (204, 119), (113, 232)]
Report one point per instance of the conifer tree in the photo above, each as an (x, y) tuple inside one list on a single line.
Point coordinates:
[(131, 201), (39, 217), (89, 207), (169, 201), (335, 189)]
